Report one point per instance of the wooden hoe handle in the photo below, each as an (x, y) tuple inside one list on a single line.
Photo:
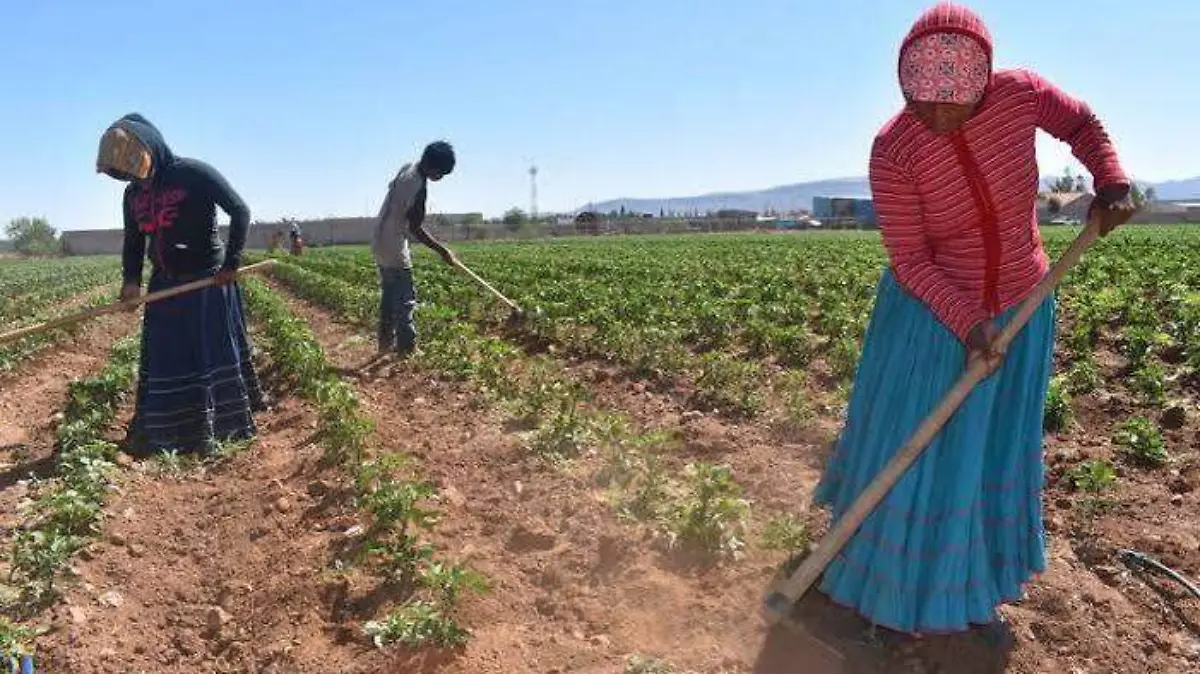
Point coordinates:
[(487, 285), (786, 592), (120, 306)]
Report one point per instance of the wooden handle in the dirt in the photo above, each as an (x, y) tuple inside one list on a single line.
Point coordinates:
[(121, 306), (487, 285), (788, 591)]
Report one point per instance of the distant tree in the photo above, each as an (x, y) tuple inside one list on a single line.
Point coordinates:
[(513, 219), (473, 219), (1140, 197), (1064, 183), (622, 212), (662, 212), (1054, 205), (1136, 195), (32, 236), (1080, 184)]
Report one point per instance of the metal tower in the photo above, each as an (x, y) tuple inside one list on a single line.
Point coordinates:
[(533, 191)]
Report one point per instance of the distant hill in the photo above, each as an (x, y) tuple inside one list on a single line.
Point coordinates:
[(781, 198), (1176, 190), (799, 197)]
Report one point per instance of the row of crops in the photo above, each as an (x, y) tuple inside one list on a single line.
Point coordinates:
[(729, 312), (736, 307), (695, 504), (34, 291), (29, 286)]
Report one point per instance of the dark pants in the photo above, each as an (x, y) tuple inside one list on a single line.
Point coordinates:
[(396, 304)]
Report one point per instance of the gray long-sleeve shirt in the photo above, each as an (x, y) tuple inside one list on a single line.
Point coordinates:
[(402, 212)]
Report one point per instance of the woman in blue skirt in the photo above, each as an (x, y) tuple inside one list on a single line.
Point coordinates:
[(955, 182), (196, 385)]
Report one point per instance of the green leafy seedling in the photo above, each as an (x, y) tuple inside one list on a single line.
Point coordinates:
[(1092, 477), (1142, 442)]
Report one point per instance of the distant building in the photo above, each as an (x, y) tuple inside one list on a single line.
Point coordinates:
[(587, 222), (1187, 211), (845, 211), (1072, 208), (323, 232), (458, 218), (1176, 211), (1060, 207), (736, 214)]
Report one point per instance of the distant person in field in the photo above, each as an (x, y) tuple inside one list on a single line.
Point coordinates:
[(273, 241), (196, 384), (297, 239), (401, 216), (955, 183)]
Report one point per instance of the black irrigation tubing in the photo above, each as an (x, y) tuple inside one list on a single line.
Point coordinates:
[(1139, 561)]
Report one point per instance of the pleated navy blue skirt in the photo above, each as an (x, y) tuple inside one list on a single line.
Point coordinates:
[(197, 386)]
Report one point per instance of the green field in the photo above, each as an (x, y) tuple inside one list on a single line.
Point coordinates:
[(33, 291), (753, 305), (730, 312), (687, 386)]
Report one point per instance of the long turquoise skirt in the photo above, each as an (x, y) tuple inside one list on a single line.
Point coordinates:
[(961, 531)]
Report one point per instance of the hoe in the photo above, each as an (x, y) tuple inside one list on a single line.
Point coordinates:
[(19, 333)]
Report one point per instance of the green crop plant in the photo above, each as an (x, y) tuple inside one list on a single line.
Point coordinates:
[(1083, 376), (1150, 380), (729, 384), (710, 513), (450, 581), (1057, 416), (1141, 441), (1092, 477), (417, 624), (785, 533), (634, 471), (563, 434)]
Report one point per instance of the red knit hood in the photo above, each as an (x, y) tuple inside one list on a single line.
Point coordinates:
[(949, 17)]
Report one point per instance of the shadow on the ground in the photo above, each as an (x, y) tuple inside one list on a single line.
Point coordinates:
[(824, 638), (41, 469)]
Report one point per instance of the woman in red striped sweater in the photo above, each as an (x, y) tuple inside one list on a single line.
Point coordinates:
[(955, 183)]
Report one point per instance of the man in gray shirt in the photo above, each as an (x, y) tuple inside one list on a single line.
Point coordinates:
[(401, 216)]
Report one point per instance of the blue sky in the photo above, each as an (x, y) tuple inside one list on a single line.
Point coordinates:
[(308, 107)]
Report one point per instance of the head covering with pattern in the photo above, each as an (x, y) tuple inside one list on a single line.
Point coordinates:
[(944, 67)]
